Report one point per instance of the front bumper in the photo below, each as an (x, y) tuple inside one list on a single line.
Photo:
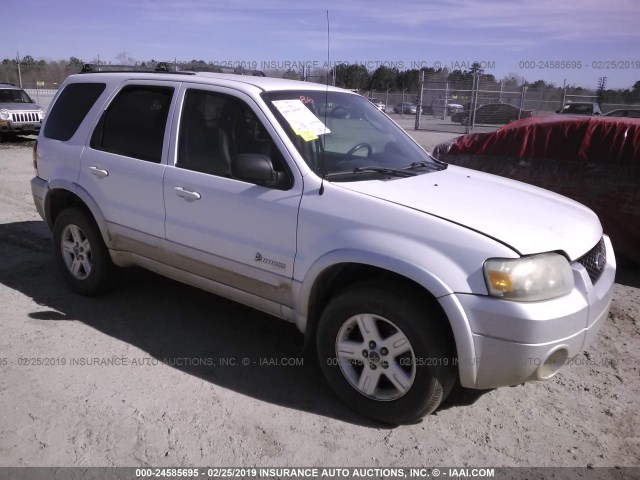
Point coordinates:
[(514, 342), (26, 128)]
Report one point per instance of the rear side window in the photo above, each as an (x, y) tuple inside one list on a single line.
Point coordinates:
[(72, 106), (134, 124)]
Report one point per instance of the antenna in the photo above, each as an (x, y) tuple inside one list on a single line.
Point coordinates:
[(326, 107)]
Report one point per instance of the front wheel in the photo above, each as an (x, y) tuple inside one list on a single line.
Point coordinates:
[(385, 354), (81, 254)]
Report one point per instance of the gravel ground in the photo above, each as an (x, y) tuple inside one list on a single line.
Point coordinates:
[(120, 380)]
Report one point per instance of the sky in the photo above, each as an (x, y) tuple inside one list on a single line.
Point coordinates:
[(529, 38)]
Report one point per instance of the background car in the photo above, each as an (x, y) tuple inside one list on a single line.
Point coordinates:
[(379, 105), (580, 108), (624, 112), (437, 108), (492, 113), (405, 107), (19, 114), (595, 161)]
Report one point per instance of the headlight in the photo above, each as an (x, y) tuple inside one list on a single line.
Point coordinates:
[(5, 115), (41, 114), (528, 279)]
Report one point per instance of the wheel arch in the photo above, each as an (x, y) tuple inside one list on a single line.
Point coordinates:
[(325, 279), (61, 196)]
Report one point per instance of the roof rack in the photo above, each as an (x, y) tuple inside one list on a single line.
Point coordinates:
[(160, 67), (215, 68), (163, 67)]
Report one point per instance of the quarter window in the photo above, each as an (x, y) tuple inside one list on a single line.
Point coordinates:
[(70, 108)]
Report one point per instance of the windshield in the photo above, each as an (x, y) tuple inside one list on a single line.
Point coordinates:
[(341, 133), (10, 95)]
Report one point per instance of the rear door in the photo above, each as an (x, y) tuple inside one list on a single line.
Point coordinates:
[(124, 163)]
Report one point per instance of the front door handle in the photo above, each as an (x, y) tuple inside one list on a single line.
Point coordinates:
[(186, 194), (98, 172)]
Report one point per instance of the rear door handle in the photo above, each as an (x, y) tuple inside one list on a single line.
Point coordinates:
[(186, 194), (98, 172)]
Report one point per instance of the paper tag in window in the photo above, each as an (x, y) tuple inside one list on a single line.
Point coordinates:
[(303, 122)]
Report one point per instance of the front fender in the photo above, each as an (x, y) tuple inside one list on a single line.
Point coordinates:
[(343, 256), (465, 350)]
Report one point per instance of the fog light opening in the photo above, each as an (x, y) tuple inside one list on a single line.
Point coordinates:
[(553, 364)]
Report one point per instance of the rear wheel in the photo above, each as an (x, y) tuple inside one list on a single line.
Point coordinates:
[(385, 354), (81, 254)]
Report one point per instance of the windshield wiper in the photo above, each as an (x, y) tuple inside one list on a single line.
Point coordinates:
[(392, 171), (435, 166)]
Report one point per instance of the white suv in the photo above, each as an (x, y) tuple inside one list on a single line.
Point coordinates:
[(306, 202), (19, 114)]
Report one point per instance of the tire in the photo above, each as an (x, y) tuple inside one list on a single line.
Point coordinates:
[(417, 377), (81, 254)]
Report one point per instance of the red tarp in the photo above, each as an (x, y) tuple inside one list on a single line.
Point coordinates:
[(594, 160)]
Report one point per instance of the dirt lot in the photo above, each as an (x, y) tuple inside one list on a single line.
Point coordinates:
[(125, 379)]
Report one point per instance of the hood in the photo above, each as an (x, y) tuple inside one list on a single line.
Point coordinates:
[(526, 218), (19, 106)]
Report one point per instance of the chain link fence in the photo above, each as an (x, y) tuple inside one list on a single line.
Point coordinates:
[(467, 102), (480, 103)]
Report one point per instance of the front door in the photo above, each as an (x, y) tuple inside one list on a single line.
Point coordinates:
[(236, 233)]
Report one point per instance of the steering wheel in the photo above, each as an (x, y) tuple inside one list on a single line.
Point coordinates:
[(333, 113), (349, 154)]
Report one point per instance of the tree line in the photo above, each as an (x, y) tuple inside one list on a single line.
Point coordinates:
[(50, 73)]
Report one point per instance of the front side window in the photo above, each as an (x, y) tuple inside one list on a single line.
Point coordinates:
[(214, 128), (341, 136), (134, 123)]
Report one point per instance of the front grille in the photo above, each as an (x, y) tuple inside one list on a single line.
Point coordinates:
[(22, 117), (594, 261)]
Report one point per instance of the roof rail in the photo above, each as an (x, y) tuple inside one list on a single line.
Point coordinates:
[(160, 67), (164, 67), (215, 68)]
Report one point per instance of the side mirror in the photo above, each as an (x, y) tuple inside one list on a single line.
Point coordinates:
[(257, 168)]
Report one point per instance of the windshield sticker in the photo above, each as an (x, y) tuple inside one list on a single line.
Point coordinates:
[(302, 121)]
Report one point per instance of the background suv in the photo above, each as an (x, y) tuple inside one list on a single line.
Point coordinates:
[(379, 105), (405, 107), (580, 108), (19, 114)]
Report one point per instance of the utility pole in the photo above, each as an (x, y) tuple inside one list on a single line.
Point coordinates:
[(19, 73), (445, 110), (522, 95), (602, 82), (419, 106), (476, 71)]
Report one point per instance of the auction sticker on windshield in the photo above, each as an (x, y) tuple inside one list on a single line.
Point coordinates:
[(302, 120)]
